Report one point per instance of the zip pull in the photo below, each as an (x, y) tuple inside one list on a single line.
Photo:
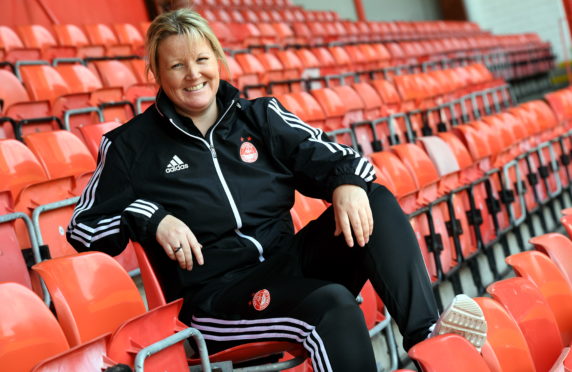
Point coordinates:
[(213, 151)]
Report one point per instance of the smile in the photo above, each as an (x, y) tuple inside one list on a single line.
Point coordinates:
[(196, 87)]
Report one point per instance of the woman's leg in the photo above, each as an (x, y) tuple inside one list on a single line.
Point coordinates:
[(270, 305), (391, 260)]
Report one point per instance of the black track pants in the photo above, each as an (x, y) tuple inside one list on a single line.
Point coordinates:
[(308, 294)]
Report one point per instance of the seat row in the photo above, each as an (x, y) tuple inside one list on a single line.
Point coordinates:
[(43, 97)]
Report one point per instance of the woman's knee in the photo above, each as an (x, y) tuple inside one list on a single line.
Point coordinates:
[(326, 299), (381, 198)]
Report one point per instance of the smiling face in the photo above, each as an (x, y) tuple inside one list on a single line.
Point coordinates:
[(188, 73)]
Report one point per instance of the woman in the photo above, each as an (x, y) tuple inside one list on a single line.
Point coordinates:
[(205, 181)]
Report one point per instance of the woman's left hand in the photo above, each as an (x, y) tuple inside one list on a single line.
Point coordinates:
[(352, 212)]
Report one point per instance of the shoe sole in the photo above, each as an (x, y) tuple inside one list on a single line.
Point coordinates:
[(465, 318)]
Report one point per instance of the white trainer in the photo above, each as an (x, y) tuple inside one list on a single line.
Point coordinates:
[(463, 317)]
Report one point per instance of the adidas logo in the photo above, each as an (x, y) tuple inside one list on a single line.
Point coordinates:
[(176, 164)]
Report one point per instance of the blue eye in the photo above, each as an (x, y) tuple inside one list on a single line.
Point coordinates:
[(177, 65)]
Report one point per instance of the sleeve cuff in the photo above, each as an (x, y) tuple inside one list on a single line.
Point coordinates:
[(348, 179), (146, 217)]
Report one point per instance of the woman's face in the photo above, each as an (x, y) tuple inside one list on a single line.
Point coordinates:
[(189, 74)]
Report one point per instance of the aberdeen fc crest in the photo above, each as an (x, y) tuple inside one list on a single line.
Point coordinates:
[(248, 152)]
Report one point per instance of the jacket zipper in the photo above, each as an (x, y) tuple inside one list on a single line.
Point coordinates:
[(210, 146)]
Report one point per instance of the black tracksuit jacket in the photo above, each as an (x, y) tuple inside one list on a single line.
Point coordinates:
[(234, 187)]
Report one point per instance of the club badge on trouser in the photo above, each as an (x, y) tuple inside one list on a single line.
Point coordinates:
[(261, 299)]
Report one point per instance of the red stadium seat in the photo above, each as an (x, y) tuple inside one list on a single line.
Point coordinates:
[(12, 48), (89, 356), (534, 317), (506, 348), (37, 36), (307, 209), (92, 135), (559, 248), (461, 355), (86, 306), (127, 34), (100, 34), (544, 273), (73, 36), (29, 332)]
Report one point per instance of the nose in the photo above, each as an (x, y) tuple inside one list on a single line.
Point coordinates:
[(192, 71)]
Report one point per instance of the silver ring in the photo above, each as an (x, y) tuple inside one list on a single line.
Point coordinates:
[(177, 249)]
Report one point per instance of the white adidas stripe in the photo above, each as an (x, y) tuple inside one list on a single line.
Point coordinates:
[(264, 329), (140, 211), (364, 167), (177, 160)]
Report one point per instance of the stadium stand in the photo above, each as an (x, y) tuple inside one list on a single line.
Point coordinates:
[(461, 124)]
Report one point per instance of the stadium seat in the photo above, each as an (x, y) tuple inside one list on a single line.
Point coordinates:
[(461, 355), (37, 36), (101, 34), (29, 332), (127, 34), (391, 168), (88, 356), (62, 153), (332, 106), (42, 81), (87, 306), (19, 167), (72, 36), (433, 236), (92, 135), (13, 266), (544, 273), (145, 329), (559, 248), (307, 209), (311, 111), (12, 48), (534, 317), (507, 349)]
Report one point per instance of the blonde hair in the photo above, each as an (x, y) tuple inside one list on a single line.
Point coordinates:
[(179, 22)]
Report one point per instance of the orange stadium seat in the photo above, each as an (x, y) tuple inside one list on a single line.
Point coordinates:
[(307, 209), (127, 34), (76, 108), (19, 167), (29, 332), (37, 36), (101, 34), (12, 48), (148, 328), (61, 153), (92, 135), (529, 308), (12, 262), (462, 356), (72, 36), (88, 356), (544, 273), (433, 237), (42, 81), (86, 306), (506, 348), (558, 247)]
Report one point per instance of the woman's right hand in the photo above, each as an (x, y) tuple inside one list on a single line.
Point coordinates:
[(173, 233)]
